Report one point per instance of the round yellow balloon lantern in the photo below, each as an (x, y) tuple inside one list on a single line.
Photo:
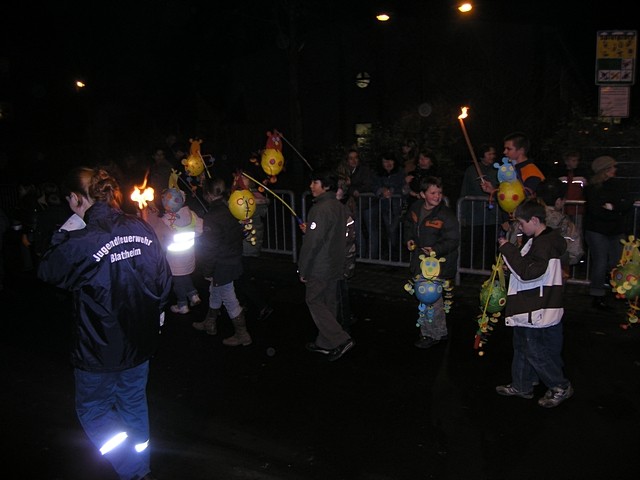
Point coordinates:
[(272, 161), (242, 204), (193, 165), (510, 195)]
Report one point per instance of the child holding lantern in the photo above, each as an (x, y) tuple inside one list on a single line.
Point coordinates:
[(185, 226), (431, 226), (535, 308), (220, 260)]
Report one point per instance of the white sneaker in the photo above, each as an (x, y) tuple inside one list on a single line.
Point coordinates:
[(183, 310), (195, 300)]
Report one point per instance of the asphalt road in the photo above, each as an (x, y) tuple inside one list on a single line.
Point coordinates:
[(386, 410)]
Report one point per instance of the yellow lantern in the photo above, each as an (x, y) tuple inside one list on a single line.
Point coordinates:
[(510, 195), (510, 192), (272, 161), (242, 204), (193, 165)]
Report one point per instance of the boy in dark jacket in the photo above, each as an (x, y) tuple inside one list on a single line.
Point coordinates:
[(431, 226), (321, 264), (535, 307)]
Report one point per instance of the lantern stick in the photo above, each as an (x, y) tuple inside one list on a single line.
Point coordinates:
[(294, 149), (462, 116), (193, 194), (206, 169), (298, 219)]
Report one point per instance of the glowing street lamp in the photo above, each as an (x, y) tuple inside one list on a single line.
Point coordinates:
[(79, 85)]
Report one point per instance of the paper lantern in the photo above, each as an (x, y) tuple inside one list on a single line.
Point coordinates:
[(242, 204)]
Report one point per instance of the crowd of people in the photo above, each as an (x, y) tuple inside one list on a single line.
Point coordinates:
[(123, 267), (84, 236)]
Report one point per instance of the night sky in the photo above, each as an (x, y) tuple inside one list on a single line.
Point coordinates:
[(147, 63)]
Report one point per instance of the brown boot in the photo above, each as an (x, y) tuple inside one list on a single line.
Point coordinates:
[(209, 322), (241, 336)]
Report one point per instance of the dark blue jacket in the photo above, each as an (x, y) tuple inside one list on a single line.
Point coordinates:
[(120, 280)]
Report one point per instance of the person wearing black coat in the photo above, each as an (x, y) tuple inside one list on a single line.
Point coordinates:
[(604, 225), (432, 228), (219, 258)]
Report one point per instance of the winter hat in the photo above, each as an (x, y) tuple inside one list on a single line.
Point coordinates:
[(603, 163)]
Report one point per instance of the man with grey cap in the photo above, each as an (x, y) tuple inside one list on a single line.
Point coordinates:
[(605, 223)]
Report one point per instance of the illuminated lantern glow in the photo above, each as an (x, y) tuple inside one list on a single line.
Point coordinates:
[(194, 166), (510, 192), (242, 204), (194, 163), (510, 195), (272, 162)]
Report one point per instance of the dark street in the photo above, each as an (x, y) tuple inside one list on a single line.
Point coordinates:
[(386, 410)]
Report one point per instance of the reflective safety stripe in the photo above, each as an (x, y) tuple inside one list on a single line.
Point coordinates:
[(350, 221), (113, 442), (182, 241), (140, 447)]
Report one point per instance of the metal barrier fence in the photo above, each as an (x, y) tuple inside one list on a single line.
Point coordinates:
[(379, 236), (478, 238), (479, 230), (478, 251), (281, 233)]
